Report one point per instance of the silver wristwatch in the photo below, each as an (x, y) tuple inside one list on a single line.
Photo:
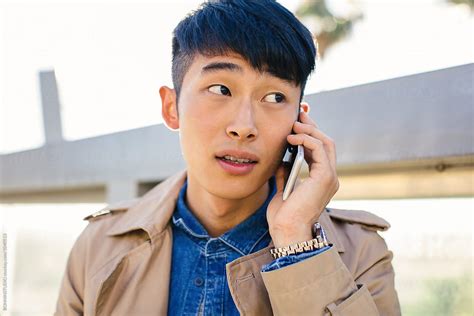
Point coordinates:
[(319, 241)]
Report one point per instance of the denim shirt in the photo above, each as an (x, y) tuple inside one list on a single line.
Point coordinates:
[(198, 283)]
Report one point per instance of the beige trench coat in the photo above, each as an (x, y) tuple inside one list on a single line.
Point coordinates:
[(120, 265)]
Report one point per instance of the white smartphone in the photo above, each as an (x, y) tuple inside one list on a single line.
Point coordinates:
[(296, 158)]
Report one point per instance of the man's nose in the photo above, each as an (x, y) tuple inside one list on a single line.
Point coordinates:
[(242, 127)]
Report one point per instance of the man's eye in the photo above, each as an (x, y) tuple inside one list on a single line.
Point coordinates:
[(274, 98), (219, 89)]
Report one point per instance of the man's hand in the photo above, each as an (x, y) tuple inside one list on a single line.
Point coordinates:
[(290, 221)]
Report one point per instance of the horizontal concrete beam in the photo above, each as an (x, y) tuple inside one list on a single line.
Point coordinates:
[(422, 116), (146, 154), (427, 183)]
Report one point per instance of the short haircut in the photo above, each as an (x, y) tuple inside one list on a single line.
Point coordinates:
[(268, 36)]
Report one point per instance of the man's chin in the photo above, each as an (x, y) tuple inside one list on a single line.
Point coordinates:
[(221, 183), (236, 187), (231, 194)]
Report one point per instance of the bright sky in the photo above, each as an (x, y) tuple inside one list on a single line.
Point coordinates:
[(111, 57)]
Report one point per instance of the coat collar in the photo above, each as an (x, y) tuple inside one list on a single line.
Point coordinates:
[(152, 212)]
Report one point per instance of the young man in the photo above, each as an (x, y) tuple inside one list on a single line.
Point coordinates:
[(214, 239)]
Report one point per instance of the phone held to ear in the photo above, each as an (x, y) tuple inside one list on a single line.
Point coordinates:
[(294, 156)]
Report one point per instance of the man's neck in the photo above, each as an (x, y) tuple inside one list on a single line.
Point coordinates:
[(219, 215)]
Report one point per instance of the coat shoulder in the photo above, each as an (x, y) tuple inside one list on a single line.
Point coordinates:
[(366, 219)]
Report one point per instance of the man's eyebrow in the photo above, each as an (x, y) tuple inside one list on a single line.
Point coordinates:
[(220, 65), (216, 66)]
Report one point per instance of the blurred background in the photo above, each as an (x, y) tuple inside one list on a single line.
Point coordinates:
[(80, 127)]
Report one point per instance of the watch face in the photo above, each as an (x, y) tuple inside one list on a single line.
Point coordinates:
[(319, 231)]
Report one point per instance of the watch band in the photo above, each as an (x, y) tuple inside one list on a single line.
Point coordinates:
[(319, 241)]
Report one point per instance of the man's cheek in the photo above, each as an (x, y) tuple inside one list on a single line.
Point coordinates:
[(275, 156), (280, 146), (203, 124)]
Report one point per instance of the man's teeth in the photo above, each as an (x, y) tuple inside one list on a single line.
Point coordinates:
[(237, 159)]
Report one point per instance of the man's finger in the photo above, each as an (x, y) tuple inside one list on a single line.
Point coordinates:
[(316, 146), (329, 145)]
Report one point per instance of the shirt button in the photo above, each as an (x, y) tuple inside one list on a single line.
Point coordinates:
[(198, 281)]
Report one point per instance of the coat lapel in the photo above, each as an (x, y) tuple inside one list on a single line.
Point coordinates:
[(137, 282)]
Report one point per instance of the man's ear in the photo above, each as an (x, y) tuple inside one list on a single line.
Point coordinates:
[(169, 108), (305, 107)]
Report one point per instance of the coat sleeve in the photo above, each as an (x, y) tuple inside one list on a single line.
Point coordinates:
[(71, 293), (322, 284)]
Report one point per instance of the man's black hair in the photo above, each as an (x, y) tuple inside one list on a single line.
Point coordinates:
[(263, 32)]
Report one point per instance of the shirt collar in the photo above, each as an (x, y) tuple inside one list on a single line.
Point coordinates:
[(185, 219), (242, 238)]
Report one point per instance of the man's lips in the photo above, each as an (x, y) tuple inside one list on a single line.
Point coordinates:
[(236, 168), (239, 154)]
